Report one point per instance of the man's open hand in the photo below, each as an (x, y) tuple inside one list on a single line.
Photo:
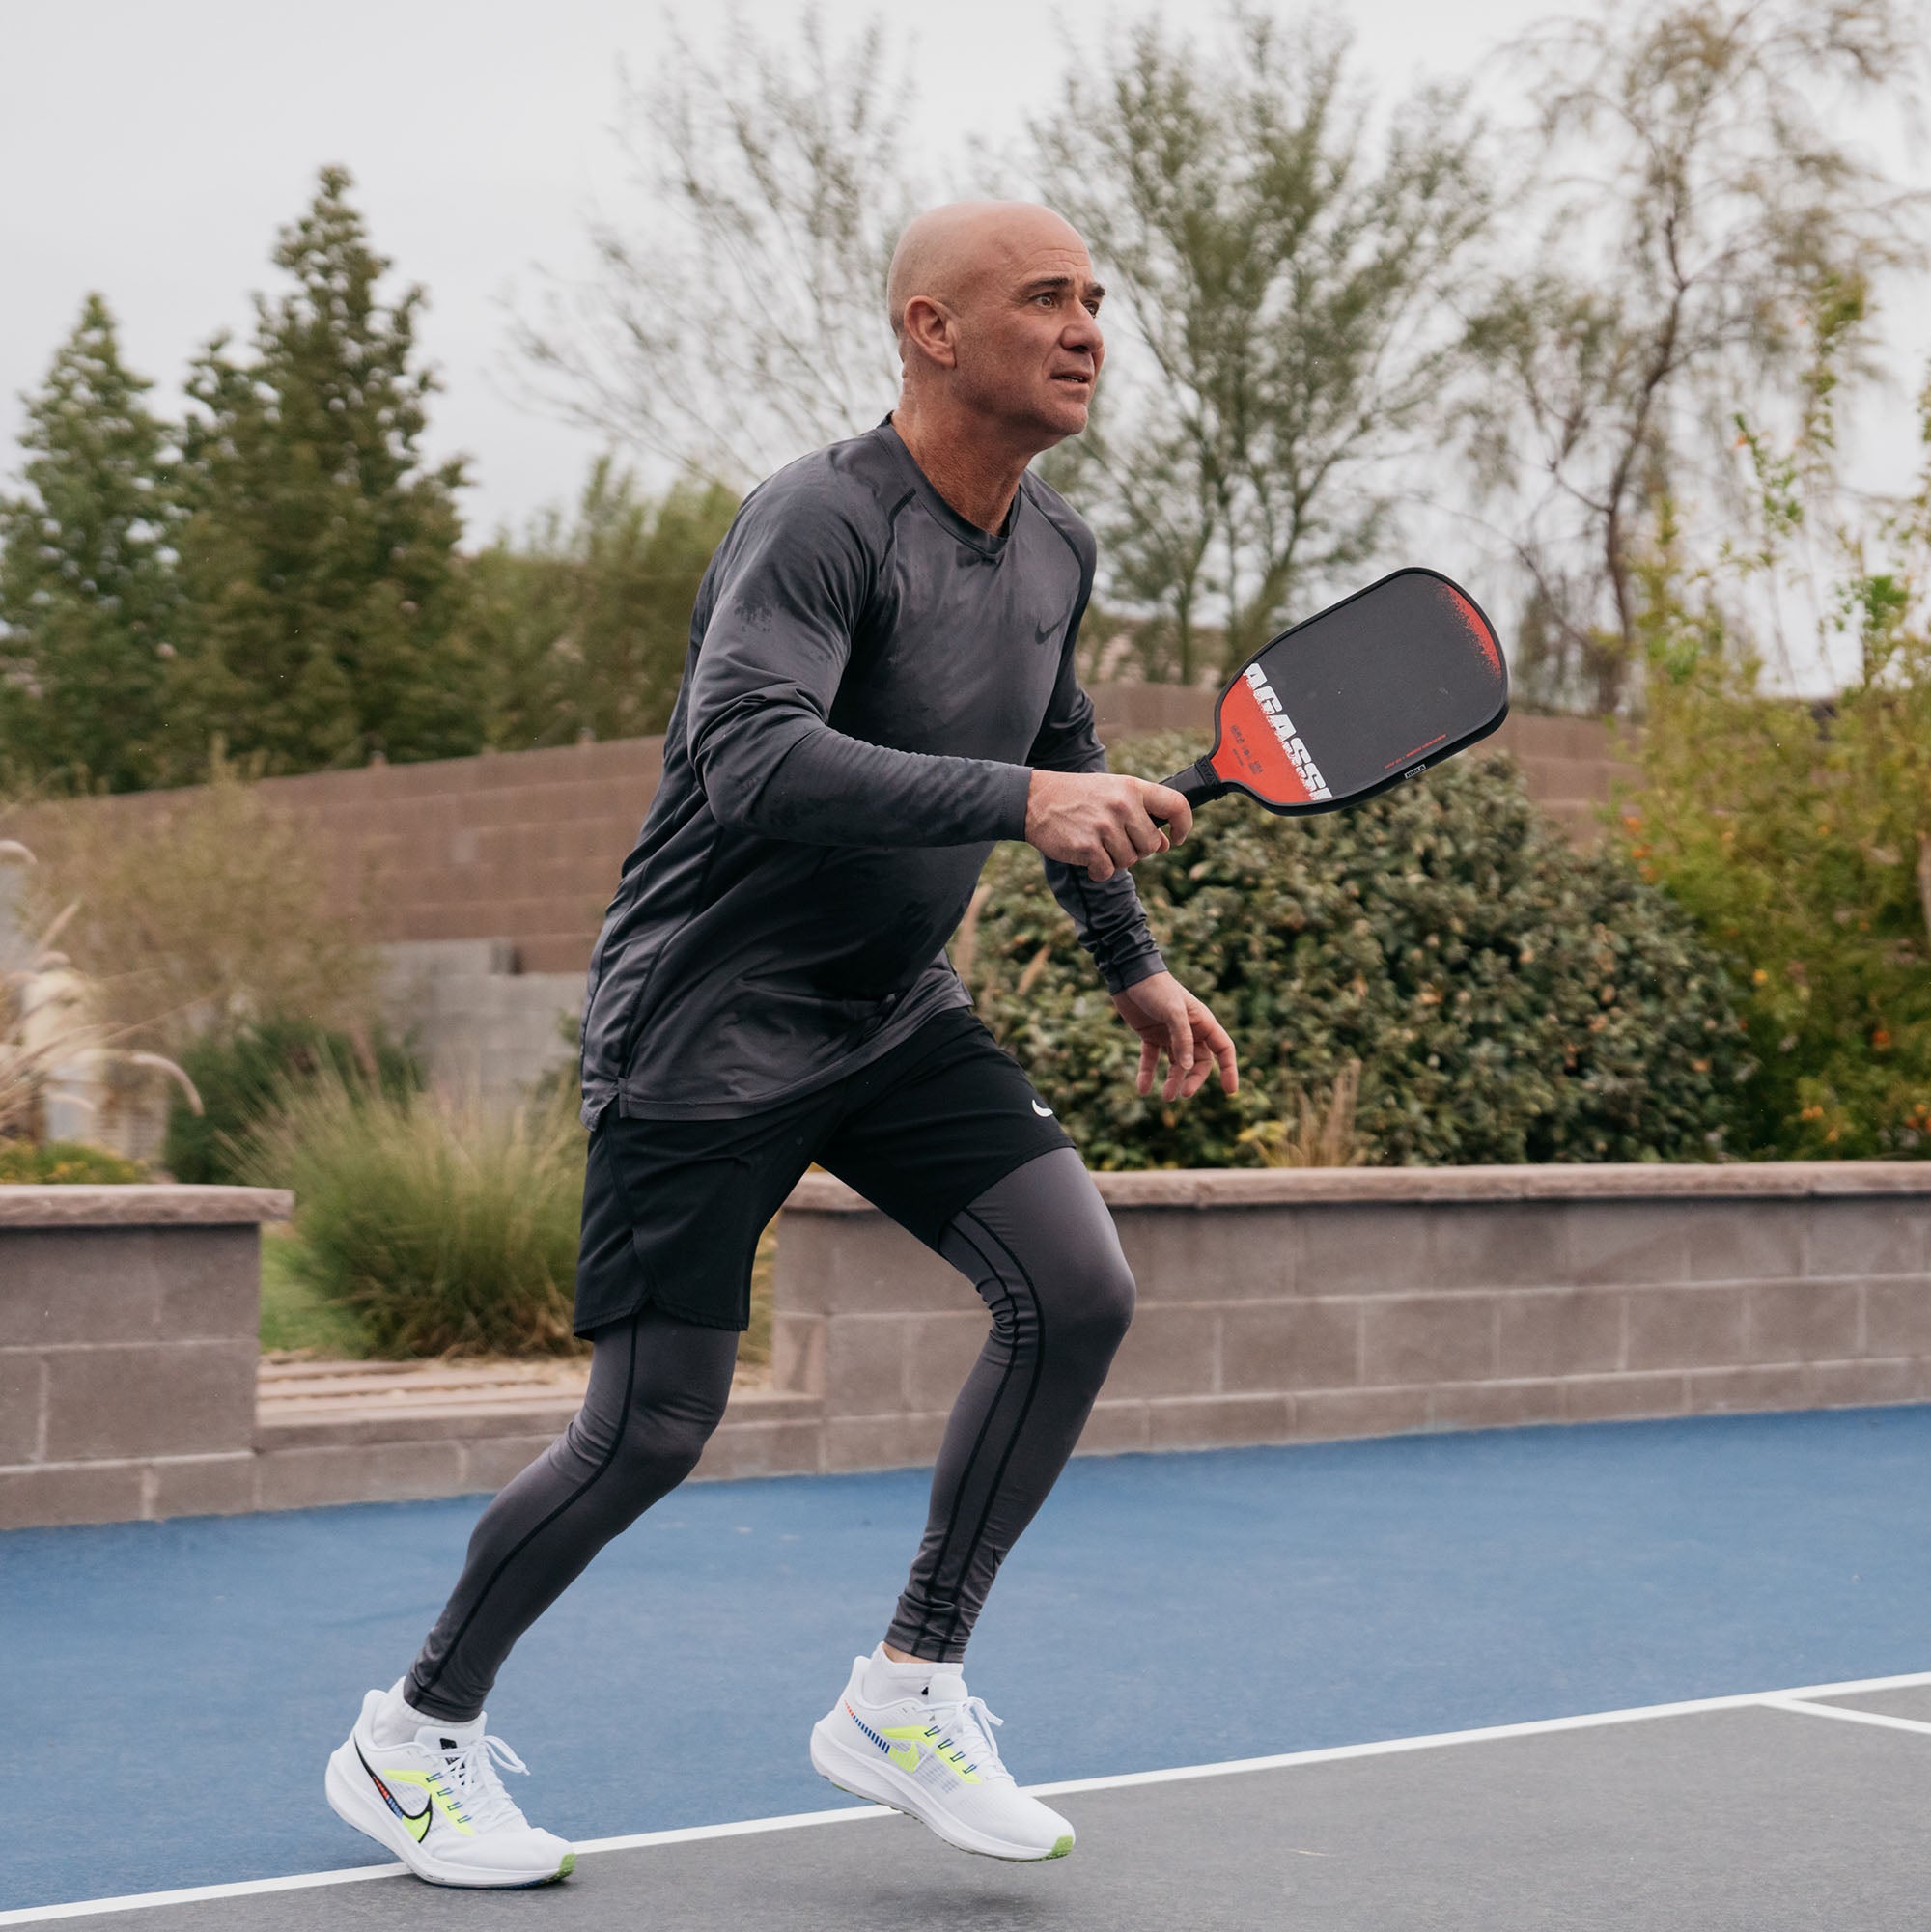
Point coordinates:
[(1170, 1020), (1102, 820)]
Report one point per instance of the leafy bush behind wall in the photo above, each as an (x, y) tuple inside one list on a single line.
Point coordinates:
[(1510, 999)]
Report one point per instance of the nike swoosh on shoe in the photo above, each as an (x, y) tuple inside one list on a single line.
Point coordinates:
[(416, 1821)]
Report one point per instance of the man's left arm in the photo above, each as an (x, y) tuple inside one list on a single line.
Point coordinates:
[(1111, 923)]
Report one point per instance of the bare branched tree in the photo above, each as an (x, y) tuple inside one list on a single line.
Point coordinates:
[(1280, 273), (1703, 227), (741, 321)]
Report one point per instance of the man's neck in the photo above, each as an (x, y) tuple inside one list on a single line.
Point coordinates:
[(973, 472)]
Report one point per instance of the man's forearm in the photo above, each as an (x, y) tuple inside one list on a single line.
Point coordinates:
[(774, 771)]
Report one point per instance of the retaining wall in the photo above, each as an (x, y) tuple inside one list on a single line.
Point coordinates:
[(130, 1373), (477, 1022), (1274, 1308), (128, 1319), (1281, 1306)]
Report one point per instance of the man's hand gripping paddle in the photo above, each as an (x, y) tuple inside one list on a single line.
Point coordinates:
[(1370, 692)]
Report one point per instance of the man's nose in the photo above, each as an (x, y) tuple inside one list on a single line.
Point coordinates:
[(1083, 332)]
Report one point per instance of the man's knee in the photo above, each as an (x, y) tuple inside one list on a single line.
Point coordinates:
[(666, 1440), (1099, 1304)]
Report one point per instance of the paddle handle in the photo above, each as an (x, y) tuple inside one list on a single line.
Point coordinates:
[(1197, 785)]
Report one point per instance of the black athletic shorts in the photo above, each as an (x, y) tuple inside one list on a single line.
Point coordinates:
[(671, 1209)]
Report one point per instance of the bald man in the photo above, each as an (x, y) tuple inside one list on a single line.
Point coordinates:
[(880, 686)]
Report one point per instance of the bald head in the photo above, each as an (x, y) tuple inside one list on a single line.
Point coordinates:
[(953, 254), (997, 320)]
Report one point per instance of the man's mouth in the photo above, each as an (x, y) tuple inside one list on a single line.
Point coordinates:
[(1080, 377)]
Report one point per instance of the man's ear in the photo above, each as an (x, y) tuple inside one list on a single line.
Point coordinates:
[(930, 332)]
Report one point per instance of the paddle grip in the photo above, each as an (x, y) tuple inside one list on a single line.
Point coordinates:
[(1197, 785)]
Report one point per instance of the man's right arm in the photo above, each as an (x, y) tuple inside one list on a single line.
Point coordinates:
[(789, 601), (788, 604)]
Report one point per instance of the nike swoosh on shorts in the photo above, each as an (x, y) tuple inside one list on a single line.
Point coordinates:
[(1043, 1113)]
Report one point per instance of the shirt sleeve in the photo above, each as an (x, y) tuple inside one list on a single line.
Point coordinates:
[(1109, 919), (788, 605)]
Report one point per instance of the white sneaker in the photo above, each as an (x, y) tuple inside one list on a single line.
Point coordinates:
[(438, 1802), (931, 1755)]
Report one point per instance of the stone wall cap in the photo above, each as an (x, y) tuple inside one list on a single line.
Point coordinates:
[(141, 1204), (1276, 1187)]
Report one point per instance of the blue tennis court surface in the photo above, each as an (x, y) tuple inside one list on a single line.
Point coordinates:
[(169, 1691)]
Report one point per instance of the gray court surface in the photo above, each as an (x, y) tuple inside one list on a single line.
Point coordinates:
[(1748, 1816)]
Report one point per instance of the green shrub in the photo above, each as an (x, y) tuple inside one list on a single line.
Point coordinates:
[(240, 1075), (1509, 999), (49, 1162), (439, 1225), (1804, 851)]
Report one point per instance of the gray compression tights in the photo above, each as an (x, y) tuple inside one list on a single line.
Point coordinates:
[(1040, 1248)]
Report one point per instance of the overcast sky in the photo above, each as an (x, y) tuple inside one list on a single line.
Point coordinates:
[(154, 147)]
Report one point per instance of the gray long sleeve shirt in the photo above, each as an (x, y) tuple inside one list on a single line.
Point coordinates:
[(870, 678)]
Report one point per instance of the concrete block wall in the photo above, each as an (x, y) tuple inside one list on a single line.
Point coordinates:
[(1274, 1308), (522, 849), (517, 847), (479, 1024), (1277, 1308), (128, 1319), (404, 1456), (1572, 767)]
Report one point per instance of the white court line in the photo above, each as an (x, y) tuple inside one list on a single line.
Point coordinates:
[(1801, 1708), (1794, 1700)]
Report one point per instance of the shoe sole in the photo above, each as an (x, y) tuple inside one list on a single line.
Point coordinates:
[(845, 1768), (354, 1805)]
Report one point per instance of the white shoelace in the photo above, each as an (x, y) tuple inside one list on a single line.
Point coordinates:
[(974, 1717), (472, 1770)]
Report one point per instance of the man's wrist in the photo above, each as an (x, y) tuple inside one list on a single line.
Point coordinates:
[(1124, 978), (1015, 801)]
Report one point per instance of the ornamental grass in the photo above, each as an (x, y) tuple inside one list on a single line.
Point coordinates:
[(441, 1225)]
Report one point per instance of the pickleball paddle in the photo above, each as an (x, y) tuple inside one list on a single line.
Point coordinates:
[(1346, 703)]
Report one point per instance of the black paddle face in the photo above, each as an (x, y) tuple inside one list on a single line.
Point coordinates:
[(1368, 692)]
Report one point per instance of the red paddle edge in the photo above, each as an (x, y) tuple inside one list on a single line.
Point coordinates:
[(1202, 782)]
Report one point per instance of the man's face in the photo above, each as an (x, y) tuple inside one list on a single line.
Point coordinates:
[(1029, 341)]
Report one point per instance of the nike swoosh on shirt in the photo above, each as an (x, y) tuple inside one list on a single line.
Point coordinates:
[(1043, 1113)]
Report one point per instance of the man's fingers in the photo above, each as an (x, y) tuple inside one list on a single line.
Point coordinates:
[(1122, 853), (1203, 1065), (1148, 839), (1169, 806), (1149, 1066), (1213, 1038), (1110, 851), (1179, 1053)]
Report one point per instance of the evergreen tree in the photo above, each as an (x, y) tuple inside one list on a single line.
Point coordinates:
[(583, 628), (87, 599), (318, 553)]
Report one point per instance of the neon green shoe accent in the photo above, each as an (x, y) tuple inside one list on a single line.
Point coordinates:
[(568, 1863), (1061, 1846), (433, 1790), (942, 1748), (904, 1755)]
